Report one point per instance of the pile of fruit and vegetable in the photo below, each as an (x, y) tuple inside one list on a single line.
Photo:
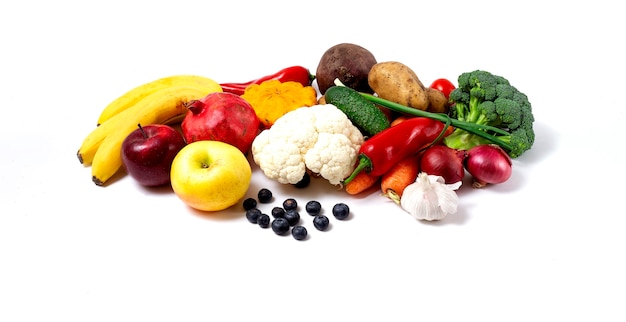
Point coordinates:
[(367, 125)]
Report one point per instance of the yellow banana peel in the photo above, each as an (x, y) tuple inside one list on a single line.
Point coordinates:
[(138, 93)]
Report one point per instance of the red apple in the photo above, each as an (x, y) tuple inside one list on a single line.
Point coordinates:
[(148, 152), (224, 117)]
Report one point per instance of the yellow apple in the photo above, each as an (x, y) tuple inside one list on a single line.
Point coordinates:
[(210, 175)]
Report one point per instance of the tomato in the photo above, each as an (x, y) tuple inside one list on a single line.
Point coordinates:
[(443, 85)]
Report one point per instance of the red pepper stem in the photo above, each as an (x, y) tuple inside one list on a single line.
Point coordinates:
[(364, 163)]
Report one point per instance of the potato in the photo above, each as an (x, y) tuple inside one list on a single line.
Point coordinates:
[(349, 63), (398, 83), (437, 101)]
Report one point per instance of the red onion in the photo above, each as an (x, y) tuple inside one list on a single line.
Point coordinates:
[(440, 160), (488, 164)]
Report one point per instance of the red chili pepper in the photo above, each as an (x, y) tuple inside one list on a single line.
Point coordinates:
[(294, 73), (380, 152)]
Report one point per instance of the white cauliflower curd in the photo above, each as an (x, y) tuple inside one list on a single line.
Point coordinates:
[(320, 138)]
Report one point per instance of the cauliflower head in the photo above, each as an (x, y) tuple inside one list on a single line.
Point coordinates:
[(319, 138)]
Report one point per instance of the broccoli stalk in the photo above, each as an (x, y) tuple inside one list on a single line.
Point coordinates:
[(486, 110)]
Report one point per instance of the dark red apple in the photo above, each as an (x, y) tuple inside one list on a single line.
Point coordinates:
[(148, 152), (221, 116)]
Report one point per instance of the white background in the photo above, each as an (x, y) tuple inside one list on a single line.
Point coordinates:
[(546, 246)]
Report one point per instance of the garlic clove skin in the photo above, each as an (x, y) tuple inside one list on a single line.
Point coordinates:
[(430, 198)]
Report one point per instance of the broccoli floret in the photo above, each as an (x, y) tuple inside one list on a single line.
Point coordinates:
[(496, 108), (505, 90), (509, 111)]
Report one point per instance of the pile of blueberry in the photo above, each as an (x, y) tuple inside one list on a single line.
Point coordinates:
[(288, 217)]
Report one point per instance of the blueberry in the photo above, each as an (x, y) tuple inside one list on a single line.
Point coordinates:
[(321, 222), (313, 207), (280, 226), (263, 220), (341, 211), (278, 212), (265, 195), (249, 203), (253, 215), (304, 182), (290, 203), (299, 232), (292, 216)]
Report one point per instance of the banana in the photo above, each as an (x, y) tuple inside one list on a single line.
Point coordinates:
[(92, 141), (160, 107), (138, 93), (112, 111)]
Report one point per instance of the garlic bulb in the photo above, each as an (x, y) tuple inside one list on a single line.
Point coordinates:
[(429, 198)]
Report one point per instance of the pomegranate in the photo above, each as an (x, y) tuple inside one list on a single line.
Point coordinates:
[(224, 117)]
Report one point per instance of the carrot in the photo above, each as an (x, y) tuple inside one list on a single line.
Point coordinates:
[(363, 181), (449, 131), (399, 177), (398, 120)]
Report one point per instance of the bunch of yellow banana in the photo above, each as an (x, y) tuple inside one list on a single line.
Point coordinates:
[(163, 101)]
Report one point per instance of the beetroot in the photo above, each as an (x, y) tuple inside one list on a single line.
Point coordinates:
[(224, 117), (350, 63)]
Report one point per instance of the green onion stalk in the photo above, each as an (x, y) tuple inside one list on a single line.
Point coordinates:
[(477, 129)]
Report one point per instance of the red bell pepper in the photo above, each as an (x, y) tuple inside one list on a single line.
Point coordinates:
[(386, 148), (294, 73)]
